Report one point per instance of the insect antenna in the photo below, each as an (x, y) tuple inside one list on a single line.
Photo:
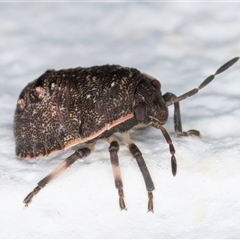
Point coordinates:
[(204, 83), (155, 123)]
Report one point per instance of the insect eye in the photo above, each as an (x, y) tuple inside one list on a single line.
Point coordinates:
[(156, 84)]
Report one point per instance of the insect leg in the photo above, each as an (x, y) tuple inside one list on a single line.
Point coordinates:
[(171, 147), (204, 83), (142, 165), (113, 149), (177, 117), (80, 153)]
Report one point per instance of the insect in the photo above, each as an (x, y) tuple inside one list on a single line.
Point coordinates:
[(61, 109)]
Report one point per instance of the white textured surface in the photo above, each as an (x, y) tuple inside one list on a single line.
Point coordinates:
[(178, 43)]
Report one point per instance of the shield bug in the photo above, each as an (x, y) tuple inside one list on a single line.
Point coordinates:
[(61, 109)]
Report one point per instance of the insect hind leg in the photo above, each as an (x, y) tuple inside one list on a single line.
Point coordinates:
[(177, 117), (80, 153)]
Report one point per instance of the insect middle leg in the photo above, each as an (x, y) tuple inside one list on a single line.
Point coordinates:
[(113, 150), (80, 153), (177, 117), (143, 167)]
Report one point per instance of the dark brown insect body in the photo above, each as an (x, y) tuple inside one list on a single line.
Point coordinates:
[(63, 108)]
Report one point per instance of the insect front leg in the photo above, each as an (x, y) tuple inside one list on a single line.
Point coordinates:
[(113, 150), (142, 165), (177, 117), (80, 153)]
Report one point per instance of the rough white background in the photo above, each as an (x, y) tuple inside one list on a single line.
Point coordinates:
[(178, 43)]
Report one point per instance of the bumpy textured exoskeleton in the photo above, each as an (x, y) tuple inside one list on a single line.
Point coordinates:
[(61, 109)]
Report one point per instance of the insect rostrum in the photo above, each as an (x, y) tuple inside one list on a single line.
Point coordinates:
[(61, 109)]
